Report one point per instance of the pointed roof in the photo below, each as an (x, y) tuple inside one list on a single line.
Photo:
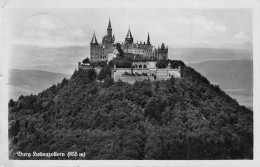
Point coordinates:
[(148, 39), (94, 39), (163, 46), (129, 34), (109, 25)]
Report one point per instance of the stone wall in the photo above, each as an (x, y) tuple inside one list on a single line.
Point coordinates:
[(152, 74)]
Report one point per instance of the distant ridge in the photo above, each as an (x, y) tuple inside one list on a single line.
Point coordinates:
[(31, 81), (235, 77), (197, 55)]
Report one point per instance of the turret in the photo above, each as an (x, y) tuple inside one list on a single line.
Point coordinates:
[(162, 52), (163, 46), (108, 38), (94, 40), (129, 38), (109, 29), (148, 40)]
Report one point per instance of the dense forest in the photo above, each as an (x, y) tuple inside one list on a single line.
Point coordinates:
[(176, 119)]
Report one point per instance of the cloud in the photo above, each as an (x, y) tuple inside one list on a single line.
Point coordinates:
[(200, 31), (201, 25), (46, 25), (242, 36), (176, 30), (78, 32), (48, 31)]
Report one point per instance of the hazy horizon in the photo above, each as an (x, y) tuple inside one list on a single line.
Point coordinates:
[(63, 60)]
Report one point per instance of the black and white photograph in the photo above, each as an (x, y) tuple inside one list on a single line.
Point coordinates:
[(131, 81)]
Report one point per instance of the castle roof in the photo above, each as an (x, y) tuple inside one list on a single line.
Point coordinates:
[(148, 39), (94, 39), (129, 34), (109, 25)]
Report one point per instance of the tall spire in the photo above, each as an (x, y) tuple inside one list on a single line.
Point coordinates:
[(129, 34), (148, 40), (94, 39), (109, 25), (129, 38)]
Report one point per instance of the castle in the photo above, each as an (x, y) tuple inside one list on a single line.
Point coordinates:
[(140, 70), (106, 50)]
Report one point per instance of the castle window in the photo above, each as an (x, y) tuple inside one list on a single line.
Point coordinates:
[(140, 66)]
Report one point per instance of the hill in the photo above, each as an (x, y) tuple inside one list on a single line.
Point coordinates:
[(186, 118), (197, 55), (234, 77), (25, 82), (59, 60)]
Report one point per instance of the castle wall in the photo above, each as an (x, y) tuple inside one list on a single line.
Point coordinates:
[(162, 55), (167, 73), (161, 74)]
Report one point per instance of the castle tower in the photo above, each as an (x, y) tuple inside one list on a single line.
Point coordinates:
[(94, 48), (129, 38), (109, 38), (109, 29), (148, 40), (162, 52)]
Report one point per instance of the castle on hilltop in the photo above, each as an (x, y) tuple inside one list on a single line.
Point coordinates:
[(139, 70), (106, 50)]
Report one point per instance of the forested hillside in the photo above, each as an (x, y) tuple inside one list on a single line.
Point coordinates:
[(186, 118)]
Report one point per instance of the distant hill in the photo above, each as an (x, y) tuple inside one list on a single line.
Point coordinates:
[(25, 82), (59, 60), (197, 55), (234, 77), (180, 118)]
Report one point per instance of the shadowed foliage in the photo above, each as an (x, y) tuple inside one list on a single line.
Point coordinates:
[(179, 118)]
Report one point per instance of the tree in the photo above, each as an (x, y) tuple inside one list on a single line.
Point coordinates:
[(86, 60), (14, 128), (98, 63), (108, 81), (176, 63), (11, 103), (121, 63), (161, 63), (119, 48), (183, 118), (104, 72), (84, 76)]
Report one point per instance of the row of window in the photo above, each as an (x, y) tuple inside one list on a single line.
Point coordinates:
[(99, 57)]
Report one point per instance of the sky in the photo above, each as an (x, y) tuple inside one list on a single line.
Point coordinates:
[(177, 28)]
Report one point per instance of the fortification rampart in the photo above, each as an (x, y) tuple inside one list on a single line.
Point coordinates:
[(131, 75)]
